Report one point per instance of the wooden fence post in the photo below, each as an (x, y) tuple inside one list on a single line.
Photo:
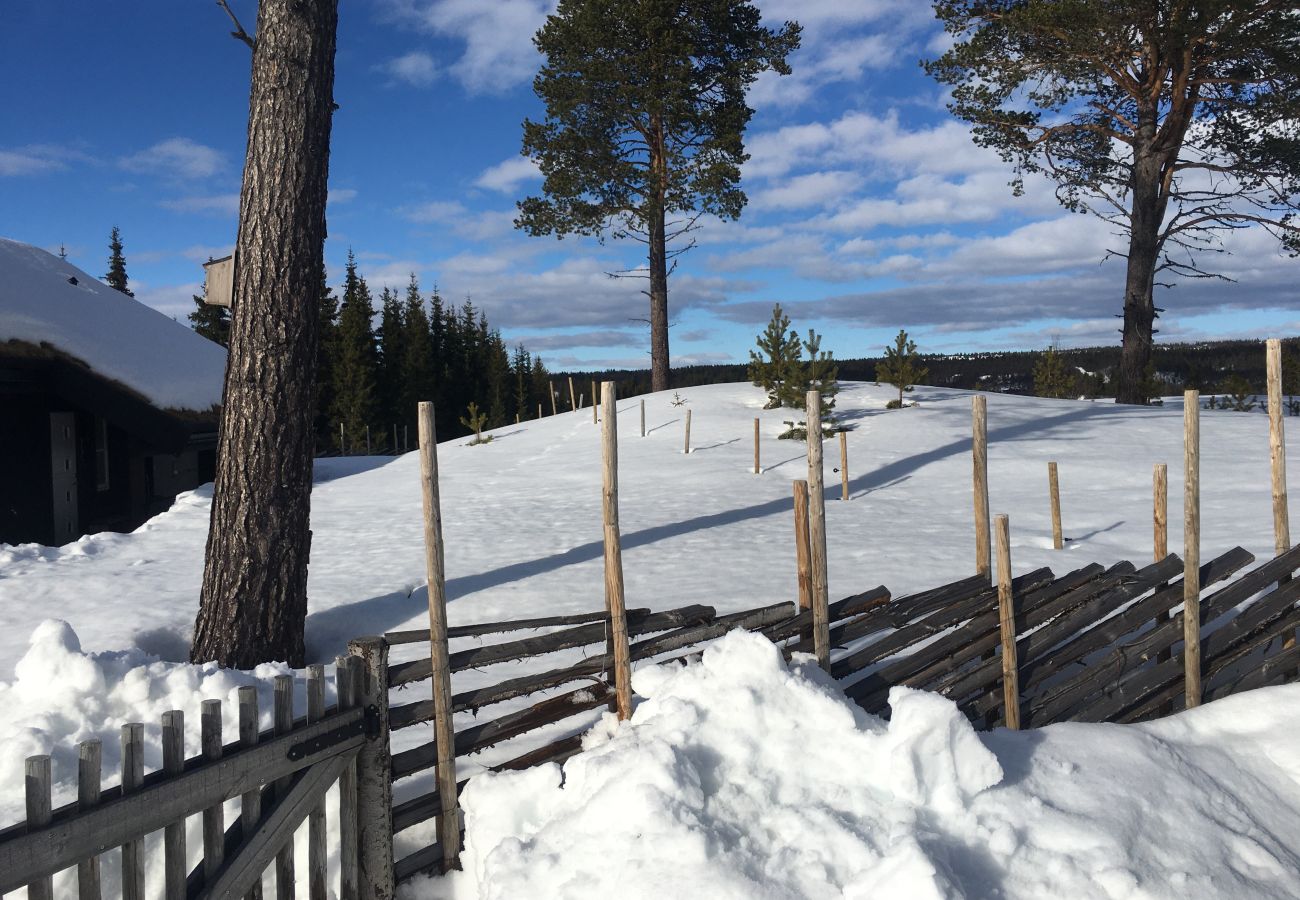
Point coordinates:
[(844, 465), (175, 867), (614, 599), (395, 445), (1277, 448), (38, 783), (642, 417), (316, 849), (435, 570), (595, 403), (282, 716), (367, 440), (817, 530), (214, 817), (342, 440), (374, 785), (980, 460), (132, 776), (1192, 548), (250, 803), (1160, 511), (554, 408), (346, 680), (573, 398), (1054, 491), (802, 553), (687, 448), (757, 469), (1007, 626), (89, 760)]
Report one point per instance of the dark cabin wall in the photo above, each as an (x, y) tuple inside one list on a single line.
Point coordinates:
[(26, 512)]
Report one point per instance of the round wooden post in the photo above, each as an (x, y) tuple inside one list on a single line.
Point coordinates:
[(573, 398), (595, 405), (1007, 626), (132, 777), (1277, 448), (89, 774), (642, 417), (757, 469), (554, 409), (844, 465), (374, 775), (614, 599), (802, 553), (1054, 491), (175, 867), (980, 460), (1160, 509), (687, 447), (817, 531), (1192, 548), (38, 780), (435, 570)]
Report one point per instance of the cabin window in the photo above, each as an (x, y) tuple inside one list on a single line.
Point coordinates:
[(101, 454)]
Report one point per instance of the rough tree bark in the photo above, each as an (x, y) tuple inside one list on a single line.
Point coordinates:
[(656, 232), (254, 598)]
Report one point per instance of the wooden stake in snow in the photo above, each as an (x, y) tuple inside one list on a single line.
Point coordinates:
[(316, 821), (573, 398), (1007, 623), (642, 417), (844, 465), (595, 407), (89, 759), (435, 569), (347, 685), (756, 466), (1054, 492), (614, 599), (980, 459), (374, 765), (342, 440), (687, 447), (1277, 448), (132, 777), (175, 867), (38, 780), (1160, 509), (802, 553), (817, 530), (1192, 548)]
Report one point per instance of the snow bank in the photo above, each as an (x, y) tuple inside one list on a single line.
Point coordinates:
[(740, 777), (118, 337)]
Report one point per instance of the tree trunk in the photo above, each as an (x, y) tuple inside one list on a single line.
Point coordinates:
[(1143, 253), (254, 599), (658, 304)]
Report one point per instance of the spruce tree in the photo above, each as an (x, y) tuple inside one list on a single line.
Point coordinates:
[(327, 324), (498, 378), (541, 379), (213, 322), (521, 368), (356, 372), (901, 367), (392, 356), (819, 373), (1052, 378), (776, 362), (419, 379), (116, 276)]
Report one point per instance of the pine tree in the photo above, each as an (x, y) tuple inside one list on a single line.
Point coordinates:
[(1052, 378), (901, 367), (213, 322), (475, 421), (356, 372), (521, 367), (116, 276), (498, 378), (419, 379), (820, 373), (392, 357), (778, 360), (325, 427), (541, 385)]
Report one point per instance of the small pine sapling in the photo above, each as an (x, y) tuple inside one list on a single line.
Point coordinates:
[(1239, 397), (475, 422), (1052, 378), (777, 358), (901, 367), (678, 400)]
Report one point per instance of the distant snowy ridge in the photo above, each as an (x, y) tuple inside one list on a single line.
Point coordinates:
[(47, 300)]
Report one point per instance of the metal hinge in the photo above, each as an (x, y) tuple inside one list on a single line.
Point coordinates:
[(367, 725)]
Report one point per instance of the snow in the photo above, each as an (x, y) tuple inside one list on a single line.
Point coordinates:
[(522, 523), (117, 336), (739, 777)]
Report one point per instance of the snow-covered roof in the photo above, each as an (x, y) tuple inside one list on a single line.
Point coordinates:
[(47, 300)]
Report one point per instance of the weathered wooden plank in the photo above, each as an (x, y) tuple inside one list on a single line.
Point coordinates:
[(238, 873), (214, 825), (174, 861), (853, 606), (425, 861), (420, 809), (132, 775), (250, 803), (478, 657), (285, 875), (347, 678), (37, 782), (316, 852), (458, 631), (486, 734), (374, 784), (76, 835)]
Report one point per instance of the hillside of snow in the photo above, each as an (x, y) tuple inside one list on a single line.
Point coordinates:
[(47, 300), (522, 525)]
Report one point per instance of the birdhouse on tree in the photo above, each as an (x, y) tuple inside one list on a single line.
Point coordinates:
[(219, 281)]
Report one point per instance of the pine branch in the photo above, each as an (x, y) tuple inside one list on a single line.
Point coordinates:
[(239, 33)]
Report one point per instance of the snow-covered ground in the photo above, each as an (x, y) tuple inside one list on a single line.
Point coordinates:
[(523, 531)]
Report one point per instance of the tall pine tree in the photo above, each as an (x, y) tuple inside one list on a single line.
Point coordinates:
[(392, 356), (356, 365), (419, 377), (116, 276), (324, 425), (213, 322)]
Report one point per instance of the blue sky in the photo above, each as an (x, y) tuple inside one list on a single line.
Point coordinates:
[(870, 208)]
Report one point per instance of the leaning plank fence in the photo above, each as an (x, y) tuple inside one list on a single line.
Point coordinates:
[(1097, 644)]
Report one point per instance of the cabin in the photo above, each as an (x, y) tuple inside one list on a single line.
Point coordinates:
[(108, 408)]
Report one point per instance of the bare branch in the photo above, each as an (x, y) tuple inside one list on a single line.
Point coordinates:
[(239, 33)]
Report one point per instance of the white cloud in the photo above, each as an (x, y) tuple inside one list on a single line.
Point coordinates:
[(176, 158), (341, 195), (506, 176), (175, 300), (497, 36), (416, 68), (35, 159), (435, 211), (803, 191), (215, 204)]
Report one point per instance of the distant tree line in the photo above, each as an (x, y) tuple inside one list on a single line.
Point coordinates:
[(379, 357)]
